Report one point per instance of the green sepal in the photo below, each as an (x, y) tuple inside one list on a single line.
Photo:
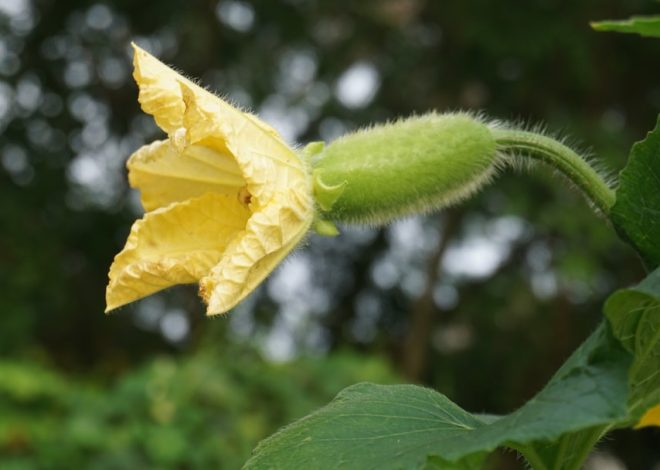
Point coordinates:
[(325, 228), (313, 148), (326, 195)]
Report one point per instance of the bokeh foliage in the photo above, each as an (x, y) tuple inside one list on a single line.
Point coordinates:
[(168, 413)]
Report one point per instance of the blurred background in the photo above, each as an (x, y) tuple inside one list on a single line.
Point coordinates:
[(482, 302)]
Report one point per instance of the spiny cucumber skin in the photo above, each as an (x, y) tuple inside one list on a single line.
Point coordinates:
[(414, 165)]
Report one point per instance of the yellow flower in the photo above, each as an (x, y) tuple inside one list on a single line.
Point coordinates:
[(226, 198), (650, 418)]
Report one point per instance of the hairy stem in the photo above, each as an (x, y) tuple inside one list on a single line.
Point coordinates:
[(533, 459), (588, 446), (561, 157)]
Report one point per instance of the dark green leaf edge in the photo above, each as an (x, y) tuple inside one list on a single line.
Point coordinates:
[(636, 212), (648, 26)]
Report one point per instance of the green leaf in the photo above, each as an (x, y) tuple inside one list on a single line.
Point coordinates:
[(643, 25), (634, 314), (370, 426), (636, 213), (405, 426)]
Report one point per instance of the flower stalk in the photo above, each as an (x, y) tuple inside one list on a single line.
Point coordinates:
[(562, 158)]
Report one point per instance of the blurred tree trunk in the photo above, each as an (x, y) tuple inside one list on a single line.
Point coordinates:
[(416, 343)]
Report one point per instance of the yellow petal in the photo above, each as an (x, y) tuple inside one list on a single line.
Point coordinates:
[(270, 235), (178, 244), (650, 418), (160, 90), (267, 164), (160, 94), (164, 174)]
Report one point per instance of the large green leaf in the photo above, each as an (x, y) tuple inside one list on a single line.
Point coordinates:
[(635, 318), (371, 426), (406, 426), (636, 213), (643, 25)]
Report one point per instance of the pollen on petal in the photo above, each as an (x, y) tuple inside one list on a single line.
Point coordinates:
[(244, 196)]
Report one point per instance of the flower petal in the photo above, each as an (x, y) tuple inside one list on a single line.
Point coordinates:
[(175, 245), (270, 235), (268, 165), (650, 418), (160, 94), (165, 175)]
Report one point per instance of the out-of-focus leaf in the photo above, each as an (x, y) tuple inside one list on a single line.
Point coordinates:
[(635, 317), (642, 25), (169, 413), (636, 213), (401, 426), (25, 382)]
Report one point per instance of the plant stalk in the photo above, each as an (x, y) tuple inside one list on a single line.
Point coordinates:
[(561, 157)]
